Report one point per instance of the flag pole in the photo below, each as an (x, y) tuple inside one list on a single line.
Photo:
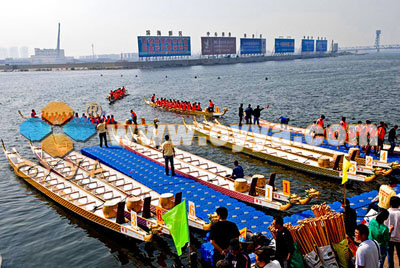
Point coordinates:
[(190, 248)]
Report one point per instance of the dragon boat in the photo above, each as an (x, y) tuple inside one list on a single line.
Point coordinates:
[(279, 152), (304, 131), (205, 112), (76, 199), (94, 177)]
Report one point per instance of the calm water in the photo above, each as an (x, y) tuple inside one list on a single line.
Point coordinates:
[(34, 232)]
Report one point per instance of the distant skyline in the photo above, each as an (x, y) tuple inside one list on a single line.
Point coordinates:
[(113, 26)]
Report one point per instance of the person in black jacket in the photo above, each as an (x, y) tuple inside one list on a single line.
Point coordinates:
[(240, 114), (221, 234), (284, 243), (257, 114), (350, 218)]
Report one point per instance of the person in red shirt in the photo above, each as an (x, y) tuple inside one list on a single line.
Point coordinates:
[(33, 114), (134, 117), (158, 101), (199, 107), (381, 137), (320, 125), (343, 123), (210, 106), (153, 97)]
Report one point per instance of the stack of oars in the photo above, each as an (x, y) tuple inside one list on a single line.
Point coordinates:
[(320, 210), (334, 224), (303, 237)]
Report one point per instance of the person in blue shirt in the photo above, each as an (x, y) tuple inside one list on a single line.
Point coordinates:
[(237, 172), (284, 120)]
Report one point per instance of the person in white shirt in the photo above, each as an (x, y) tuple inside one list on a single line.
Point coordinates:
[(394, 222), (367, 255), (263, 258)]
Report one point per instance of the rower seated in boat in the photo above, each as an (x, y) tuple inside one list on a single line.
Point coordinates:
[(237, 172), (210, 106), (33, 114), (153, 97)]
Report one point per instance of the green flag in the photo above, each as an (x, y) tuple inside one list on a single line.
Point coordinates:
[(177, 223)]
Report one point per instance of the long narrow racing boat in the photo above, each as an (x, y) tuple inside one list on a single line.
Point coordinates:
[(305, 131), (315, 152), (186, 112), (104, 180), (72, 197), (213, 175), (277, 152)]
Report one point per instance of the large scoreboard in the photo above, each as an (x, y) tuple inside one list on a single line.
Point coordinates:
[(218, 45), (252, 46), (322, 46), (284, 45), (307, 45), (158, 46)]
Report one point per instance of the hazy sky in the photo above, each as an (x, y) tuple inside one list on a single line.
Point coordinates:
[(113, 26)]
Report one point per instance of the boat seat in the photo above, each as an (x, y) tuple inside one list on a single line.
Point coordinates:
[(123, 185), (95, 188), (185, 168), (196, 160), (222, 185), (71, 193), (220, 171), (134, 189), (61, 189), (193, 171), (88, 203), (79, 197), (143, 193), (200, 176)]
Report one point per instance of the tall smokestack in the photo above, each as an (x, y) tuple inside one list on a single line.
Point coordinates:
[(58, 41)]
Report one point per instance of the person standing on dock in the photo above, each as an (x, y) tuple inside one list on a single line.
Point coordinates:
[(168, 154), (240, 114), (381, 137), (379, 232), (392, 139), (386, 192), (221, 233), (367, 255), (284, 242), (133, 117), (257, 114), (101, 128), (249, 113), (350, 218), (393, 222)]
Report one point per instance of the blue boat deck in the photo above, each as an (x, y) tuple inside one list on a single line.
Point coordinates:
[(153, 176)]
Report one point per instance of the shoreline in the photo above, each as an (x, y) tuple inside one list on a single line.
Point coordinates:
[(120, 65)]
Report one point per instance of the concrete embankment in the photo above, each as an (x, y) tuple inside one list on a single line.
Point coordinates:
[(156, 64)]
